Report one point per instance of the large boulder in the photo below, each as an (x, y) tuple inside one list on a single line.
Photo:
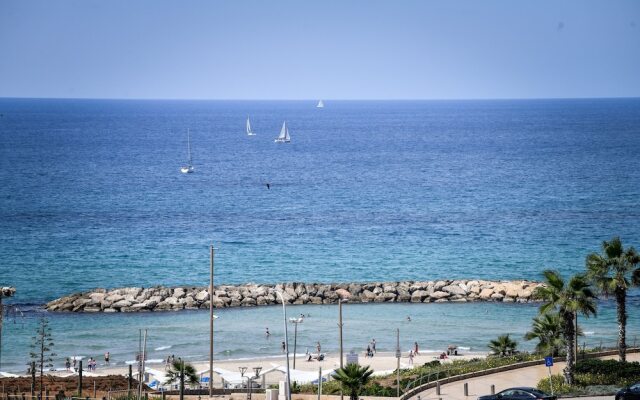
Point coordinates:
[(202, 295), (439, 295), (418, 296), (486, 293), (454, 289), (343, 294)]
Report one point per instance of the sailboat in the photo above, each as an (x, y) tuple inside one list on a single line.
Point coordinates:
[(284, 134), (320, 104), (249, 131), (187, 169)]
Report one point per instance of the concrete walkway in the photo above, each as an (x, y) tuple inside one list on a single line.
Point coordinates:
[(528, 376)]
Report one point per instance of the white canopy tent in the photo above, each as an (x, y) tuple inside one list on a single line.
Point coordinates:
[(303, 377), (159, 376), (231, 377)]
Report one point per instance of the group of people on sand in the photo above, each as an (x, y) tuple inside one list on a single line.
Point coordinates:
[(371, 348), (92, 364), (169, 361), (318, 357)]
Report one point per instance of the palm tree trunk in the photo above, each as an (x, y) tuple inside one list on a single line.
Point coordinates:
[(621, 299), (569, 331)]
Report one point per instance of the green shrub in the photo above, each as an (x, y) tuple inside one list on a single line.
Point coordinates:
[(559, 386), (606, 372)]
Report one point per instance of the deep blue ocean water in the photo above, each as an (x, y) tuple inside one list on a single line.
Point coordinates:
[(91, 194)]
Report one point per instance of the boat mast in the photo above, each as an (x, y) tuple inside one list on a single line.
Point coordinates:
[(189, 145)]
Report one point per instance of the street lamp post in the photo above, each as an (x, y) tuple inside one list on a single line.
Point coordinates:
[(340, 325), (286, 341), (256, 376), (242, 371), (295, 321)]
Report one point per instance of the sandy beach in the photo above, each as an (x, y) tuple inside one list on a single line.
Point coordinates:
[(382, 363)]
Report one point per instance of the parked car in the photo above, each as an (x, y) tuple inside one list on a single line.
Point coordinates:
[(520, 393), (629, 393)]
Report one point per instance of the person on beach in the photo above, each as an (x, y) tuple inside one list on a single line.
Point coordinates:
[(67, 364), (318, 348), (284, 347), (415, 348), (75, 362), (267, 333), (107, 356), (369, 354), (411, 357), (373, 345)]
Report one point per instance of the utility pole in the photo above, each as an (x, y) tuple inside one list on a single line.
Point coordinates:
[(143, 357), (319, 383), (340, 324), (398, 354), (211, 321)]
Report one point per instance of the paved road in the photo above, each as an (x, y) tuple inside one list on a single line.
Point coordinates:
[(528, 376)]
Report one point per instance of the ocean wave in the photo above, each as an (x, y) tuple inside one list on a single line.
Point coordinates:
[(588, 333), (163, 348)]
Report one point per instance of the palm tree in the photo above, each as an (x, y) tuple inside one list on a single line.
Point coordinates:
[(503, 346), (547, 328), (614, 272), (179, 372), (353, 378), (568, 299)]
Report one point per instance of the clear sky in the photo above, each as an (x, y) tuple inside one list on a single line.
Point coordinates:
[(330, 49)]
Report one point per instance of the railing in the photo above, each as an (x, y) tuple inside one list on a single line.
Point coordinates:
[(424, 382)]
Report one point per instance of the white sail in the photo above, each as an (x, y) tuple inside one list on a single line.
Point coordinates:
[(249, 131), (187, 169), (284, 134), (320, 104)]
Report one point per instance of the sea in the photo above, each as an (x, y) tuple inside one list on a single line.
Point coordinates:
[(91, 195)]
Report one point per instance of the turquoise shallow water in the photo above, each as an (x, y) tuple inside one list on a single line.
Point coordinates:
[(91, 194), (240, 332)]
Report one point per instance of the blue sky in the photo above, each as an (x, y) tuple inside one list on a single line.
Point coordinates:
[(331, 49)]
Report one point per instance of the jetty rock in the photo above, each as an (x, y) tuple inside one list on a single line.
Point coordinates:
[(160, 298)]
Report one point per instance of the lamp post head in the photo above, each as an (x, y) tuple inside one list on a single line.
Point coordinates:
[(257, 371), (242, 370)]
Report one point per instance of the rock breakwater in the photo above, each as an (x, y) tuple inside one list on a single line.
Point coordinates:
[(137, 299)]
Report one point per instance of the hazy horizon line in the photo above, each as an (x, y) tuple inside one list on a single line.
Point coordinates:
[(316, 99)]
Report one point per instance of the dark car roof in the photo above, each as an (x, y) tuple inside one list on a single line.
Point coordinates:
[(527, 389)]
